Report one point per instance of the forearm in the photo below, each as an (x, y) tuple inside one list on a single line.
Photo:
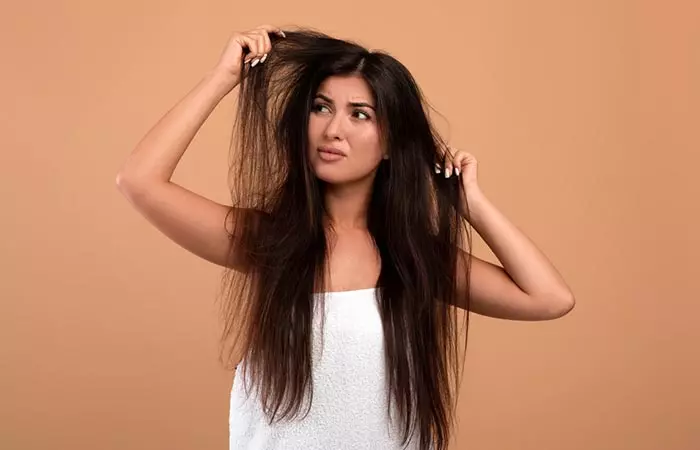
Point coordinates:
[(522, 260), (156, 156)]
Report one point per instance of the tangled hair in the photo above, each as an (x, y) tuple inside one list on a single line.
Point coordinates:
[(413, 218)]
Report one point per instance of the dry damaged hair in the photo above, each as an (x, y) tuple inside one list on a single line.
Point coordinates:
[(413, 218)]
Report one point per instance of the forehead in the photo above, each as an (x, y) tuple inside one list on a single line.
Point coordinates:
[(346, 88)]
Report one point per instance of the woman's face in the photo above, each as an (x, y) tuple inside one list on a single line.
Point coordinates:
[(343, 118)]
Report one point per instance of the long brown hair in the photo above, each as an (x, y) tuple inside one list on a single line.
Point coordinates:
[(413, 219)]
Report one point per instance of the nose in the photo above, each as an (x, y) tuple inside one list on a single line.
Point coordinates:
[(334, 127)]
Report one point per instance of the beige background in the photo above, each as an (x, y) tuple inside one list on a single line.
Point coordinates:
[(583, 116)]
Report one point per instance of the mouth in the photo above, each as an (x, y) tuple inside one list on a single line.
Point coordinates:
[(331, 150)]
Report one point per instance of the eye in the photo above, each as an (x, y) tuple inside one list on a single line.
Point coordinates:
[(319, 106), (367, 116)]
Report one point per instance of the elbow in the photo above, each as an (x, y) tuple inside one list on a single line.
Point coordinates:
[(119, 181), (130, 179), (562, 306), (127, 182), (123, 183), (552, 306), (124, 177), (128, 186)]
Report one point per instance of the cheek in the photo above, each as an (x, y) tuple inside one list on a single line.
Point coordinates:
[(314, 131), (368, 140), (313, 128)]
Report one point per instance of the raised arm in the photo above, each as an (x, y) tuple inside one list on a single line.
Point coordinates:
[(194, 222)]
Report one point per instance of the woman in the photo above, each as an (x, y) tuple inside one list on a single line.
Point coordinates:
[(343, 192)]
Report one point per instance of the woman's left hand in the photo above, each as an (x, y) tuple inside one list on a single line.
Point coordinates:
[(463, 165)]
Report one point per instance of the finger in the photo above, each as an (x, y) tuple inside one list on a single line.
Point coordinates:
[(467, 159), (449, 161), (262, 45), (267, 45), (251, 45), (260, 48), (440, 161), (255, 48), (459, 161), (264, 32), (272, 29)]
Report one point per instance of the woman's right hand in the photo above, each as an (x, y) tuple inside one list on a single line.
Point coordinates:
[(253, 45)]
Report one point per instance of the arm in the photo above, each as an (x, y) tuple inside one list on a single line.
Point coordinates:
[(527, 287), (155, 157), (192, 221)]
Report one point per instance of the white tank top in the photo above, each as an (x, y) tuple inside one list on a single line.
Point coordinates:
[(349, 407)]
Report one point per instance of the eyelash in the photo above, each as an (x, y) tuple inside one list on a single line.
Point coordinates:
[(318, 105)]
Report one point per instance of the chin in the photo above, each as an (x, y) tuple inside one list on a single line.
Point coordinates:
[(328, 178), (341, 178)]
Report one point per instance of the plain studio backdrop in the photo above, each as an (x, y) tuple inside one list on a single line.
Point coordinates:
[(584, 118)]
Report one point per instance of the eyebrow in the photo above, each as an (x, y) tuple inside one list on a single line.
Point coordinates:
[(354, 104)]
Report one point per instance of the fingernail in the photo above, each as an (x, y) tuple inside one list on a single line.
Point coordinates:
[(457, 171), (255, 62), (437, 168), (447, 172), (263, 58)]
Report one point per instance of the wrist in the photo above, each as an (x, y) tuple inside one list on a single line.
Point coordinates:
[(222, 79), (474, 193), (475, 199)]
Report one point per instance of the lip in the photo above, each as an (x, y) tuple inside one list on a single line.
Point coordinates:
[(333, 150)]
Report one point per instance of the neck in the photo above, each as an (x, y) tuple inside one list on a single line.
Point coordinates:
[(347, 205)]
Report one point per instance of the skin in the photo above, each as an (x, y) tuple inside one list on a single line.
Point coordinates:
[(338, 121), (343, 117), (528, 287)]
